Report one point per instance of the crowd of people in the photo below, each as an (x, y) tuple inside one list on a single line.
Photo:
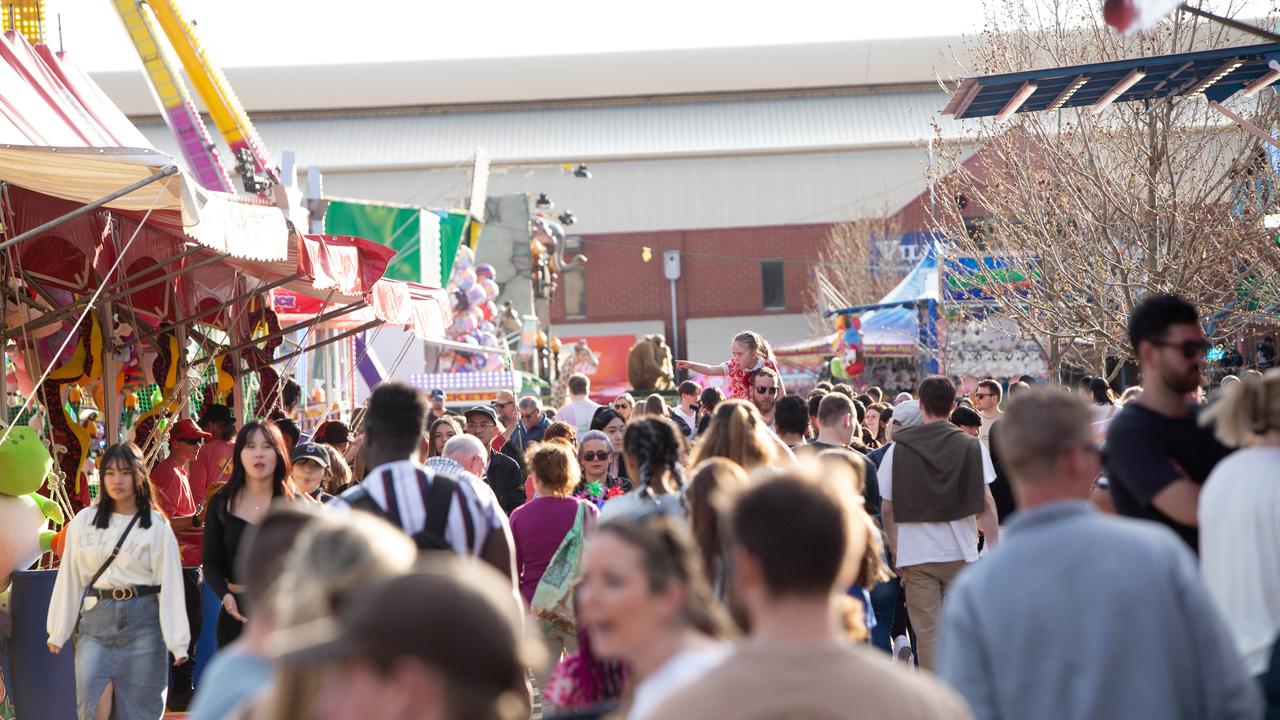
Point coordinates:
[(737, 553)]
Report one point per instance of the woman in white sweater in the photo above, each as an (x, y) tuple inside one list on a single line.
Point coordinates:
[(124, 622)]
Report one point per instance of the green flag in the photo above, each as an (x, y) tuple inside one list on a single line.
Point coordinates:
[(414, 233)]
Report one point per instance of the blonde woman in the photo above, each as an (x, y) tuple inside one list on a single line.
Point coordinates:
[(1239, 516), (333, 559), (738, 433)]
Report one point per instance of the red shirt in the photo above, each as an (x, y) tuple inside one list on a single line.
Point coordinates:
[(212, 467), (173, 497)]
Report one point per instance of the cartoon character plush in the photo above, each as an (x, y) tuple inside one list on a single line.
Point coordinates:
[(649, 364), (24, 515)]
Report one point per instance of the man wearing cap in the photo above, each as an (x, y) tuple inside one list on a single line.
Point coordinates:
[(334, 433), (308, 466), (438, 409), (382, 660), (502, 473), (212, 469), (173, 497)]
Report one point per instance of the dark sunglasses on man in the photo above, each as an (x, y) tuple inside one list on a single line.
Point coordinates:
[(766, 390), (192, 441), (1190, 348)]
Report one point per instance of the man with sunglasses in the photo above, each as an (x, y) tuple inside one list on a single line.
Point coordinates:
[(764, 392), (986, 400), (172, 493), (1158, 456)]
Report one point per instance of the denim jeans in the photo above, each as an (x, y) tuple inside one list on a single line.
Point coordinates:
[(119, 641), (884, 601)]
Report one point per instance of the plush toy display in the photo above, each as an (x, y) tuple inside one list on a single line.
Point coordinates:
[(24, 515)]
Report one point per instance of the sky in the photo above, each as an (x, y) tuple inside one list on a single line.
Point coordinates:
[(252, 33), (247, 33)]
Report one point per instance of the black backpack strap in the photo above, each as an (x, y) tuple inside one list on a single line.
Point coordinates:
[(437, 496)]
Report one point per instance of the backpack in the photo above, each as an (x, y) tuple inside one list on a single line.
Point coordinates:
[(437, 496)]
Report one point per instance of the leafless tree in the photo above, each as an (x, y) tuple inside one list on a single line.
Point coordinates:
[(1094, 212), (859, 262)]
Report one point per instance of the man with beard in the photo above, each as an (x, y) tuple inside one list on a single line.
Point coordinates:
[(1158, 456), (764, 392)]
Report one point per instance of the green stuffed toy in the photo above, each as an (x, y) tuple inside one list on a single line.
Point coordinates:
[(24, 516)]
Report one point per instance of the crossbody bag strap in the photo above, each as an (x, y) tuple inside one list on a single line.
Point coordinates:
[(103, 567)]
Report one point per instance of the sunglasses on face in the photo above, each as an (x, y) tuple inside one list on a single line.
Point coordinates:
[(978, 396), (593, 455), (527, 417), (503, 404), (766, 390), (1189, 348), (192, 441)]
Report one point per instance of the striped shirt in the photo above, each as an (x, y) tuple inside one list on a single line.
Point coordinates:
[(468, 525)]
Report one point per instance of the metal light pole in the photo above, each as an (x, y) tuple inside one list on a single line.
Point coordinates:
[(671, 268)]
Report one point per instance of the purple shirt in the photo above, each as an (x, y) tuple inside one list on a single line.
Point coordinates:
[(539, 526)]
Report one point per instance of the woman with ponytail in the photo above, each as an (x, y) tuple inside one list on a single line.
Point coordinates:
[(652, 448), (1239, 516)]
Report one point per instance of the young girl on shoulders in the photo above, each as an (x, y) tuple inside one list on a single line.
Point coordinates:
[(749, 352)]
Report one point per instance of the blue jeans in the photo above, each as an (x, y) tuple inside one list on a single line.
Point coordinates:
[(884, 600)]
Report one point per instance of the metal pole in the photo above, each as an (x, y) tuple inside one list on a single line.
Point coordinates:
[(1235, 24), (675, 328), (110, 404), (33, 232), (329, 341), (285, 331), (178, 324)]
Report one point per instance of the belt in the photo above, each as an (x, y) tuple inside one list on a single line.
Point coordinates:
[(124, 593)]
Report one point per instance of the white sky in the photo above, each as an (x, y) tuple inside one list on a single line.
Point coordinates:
[(239, 33), (293, 32)]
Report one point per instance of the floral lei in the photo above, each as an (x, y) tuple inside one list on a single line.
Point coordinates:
[(598, 493)]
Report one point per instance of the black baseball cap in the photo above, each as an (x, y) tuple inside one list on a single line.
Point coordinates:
[(216, 413), (310, 451), (485, 410)]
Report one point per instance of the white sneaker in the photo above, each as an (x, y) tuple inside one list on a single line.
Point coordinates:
[(902, 650)]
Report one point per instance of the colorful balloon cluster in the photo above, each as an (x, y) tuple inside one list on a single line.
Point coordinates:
[(849, 360), (474, 291)]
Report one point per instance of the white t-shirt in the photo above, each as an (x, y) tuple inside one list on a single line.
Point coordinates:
[(578, 413), (676, 673), (934, 542), (691, 419), (984, 432), (1240, 549)]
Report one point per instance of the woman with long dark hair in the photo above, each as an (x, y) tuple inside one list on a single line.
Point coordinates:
[(259, 474), (610, 422), (123, 611)]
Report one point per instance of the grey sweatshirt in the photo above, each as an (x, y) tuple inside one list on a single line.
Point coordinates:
[(1080, 615)]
